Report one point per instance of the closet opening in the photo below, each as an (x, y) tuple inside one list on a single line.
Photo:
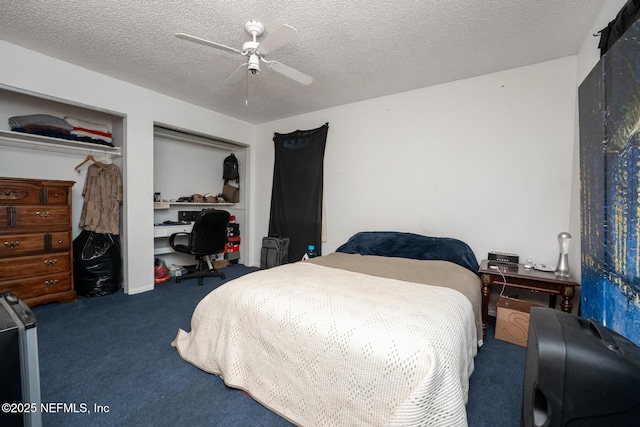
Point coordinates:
[(187, 178)]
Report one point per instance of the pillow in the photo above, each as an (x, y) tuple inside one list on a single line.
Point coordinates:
[(412, 246)]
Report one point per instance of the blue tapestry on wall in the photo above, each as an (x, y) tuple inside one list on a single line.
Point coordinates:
[(609, 183)]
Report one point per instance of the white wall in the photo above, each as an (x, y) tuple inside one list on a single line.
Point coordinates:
[(42, 74), (487, 160)]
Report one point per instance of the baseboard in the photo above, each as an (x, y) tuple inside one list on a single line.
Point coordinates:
[(141, 290)]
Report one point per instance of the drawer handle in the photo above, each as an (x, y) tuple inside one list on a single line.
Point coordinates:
[(50, 262), (12, 245), (42, 214), (55, 196), (51, 282), (59, 242)]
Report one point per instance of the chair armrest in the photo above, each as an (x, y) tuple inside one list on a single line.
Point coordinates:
[(180, 233)]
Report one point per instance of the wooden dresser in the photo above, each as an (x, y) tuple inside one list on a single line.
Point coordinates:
[(36, 240)]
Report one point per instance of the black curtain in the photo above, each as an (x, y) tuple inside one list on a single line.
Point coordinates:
[(629, 14), (296, 198)]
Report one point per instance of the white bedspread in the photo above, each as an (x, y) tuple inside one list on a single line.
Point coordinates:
[(324, 346)]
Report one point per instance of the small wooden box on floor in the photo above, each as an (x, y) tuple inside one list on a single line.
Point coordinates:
[(36, 259)]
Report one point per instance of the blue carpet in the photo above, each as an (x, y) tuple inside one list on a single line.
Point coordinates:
[(113, 354), (495, 388)]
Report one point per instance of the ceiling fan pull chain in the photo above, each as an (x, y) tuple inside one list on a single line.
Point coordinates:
[(246, 89)]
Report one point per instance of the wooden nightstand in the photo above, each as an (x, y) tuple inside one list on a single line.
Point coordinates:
[(523, 278)]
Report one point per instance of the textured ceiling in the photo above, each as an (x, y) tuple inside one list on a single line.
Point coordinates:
[(353, 49)]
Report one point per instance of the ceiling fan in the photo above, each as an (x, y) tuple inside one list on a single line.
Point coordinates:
[(255, 52)]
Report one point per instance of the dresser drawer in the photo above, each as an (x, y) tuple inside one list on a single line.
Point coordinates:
[(36, 264), (34, 286), (21, 244), (56, 195), (34, 216), (21, 193)]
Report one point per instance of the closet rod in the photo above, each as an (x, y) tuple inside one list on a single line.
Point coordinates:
[(196, 139)]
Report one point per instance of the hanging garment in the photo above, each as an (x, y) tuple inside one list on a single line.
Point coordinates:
[(627, 16), (296, 198), (102, 198)]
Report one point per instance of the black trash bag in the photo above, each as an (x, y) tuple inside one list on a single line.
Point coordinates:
[(96, 264)]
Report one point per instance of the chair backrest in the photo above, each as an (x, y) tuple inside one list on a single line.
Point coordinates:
[(209, 234)]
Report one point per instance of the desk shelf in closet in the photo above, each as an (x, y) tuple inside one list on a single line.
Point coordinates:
[(168, 205)]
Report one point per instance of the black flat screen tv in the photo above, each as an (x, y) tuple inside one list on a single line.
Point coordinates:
[(579, 373)]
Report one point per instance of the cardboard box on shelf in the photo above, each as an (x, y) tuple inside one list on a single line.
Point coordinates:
[(512, 320)]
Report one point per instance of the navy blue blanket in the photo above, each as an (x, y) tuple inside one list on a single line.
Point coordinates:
[(412, 246)]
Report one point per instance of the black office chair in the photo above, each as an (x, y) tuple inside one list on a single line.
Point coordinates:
[(208, 237)]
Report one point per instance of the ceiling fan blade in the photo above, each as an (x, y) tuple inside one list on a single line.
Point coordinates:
[(278, 38), (237, 75), (292, 73), (206, 42)]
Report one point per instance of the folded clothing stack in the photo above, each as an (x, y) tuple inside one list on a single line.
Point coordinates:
[(89, 131), (67, 128), (42, 124)]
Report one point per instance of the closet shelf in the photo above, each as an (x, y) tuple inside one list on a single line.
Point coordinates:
[(167, 205), (58, 145)]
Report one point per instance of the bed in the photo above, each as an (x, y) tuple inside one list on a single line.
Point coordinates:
[(382, 332)]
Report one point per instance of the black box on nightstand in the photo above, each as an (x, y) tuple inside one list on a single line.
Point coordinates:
[(502, 257)]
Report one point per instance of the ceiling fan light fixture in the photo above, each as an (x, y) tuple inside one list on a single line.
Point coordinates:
[(254, 64)]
